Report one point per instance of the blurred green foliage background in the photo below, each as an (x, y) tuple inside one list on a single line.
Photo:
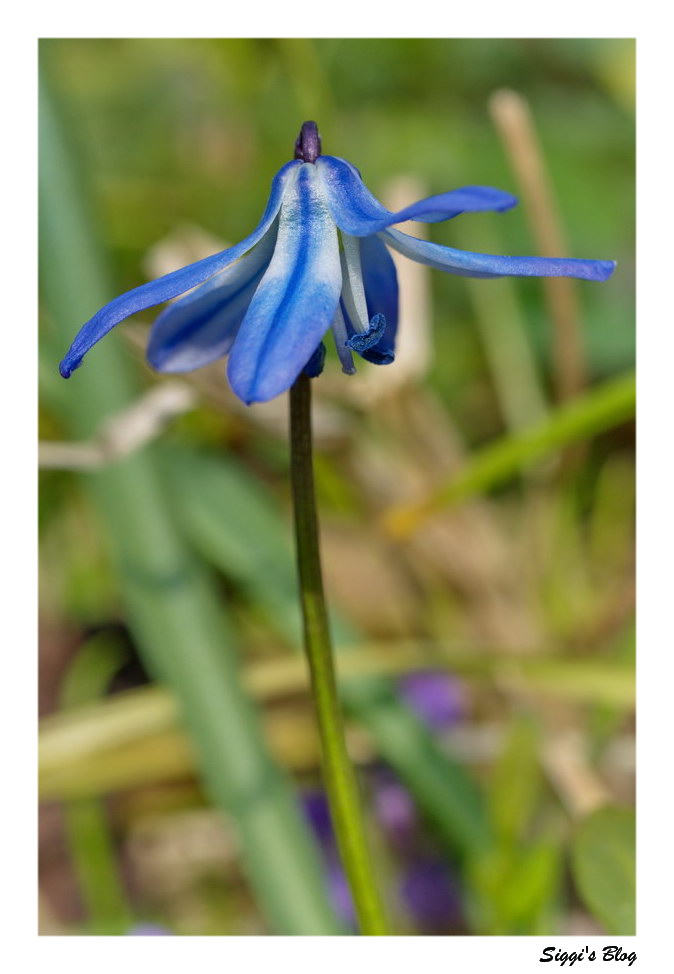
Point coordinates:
[(162, 706)]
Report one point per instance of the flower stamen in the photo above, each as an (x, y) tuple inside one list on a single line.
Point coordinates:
[(366, 339), (341, 336), (353, 289)]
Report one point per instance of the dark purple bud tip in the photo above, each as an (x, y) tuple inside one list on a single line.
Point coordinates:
[(308, 144)]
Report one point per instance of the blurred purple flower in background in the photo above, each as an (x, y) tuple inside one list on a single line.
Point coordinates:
[(339, 892), (428, 889), (437, 698), (394, 808), (148, 930), (431, 893), (316, 810)]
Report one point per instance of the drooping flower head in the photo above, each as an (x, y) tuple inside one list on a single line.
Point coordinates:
[(318, 260)]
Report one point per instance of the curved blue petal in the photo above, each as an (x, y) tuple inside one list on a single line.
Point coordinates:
[(467, 199), (357, 212), (381, 294), (201, 327), (295, 302), (169, 286), (467, 264)]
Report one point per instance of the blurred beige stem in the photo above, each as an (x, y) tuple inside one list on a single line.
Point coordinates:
[(512, 117), (123, 433), (579, 787), (414, 337), (114, 742)]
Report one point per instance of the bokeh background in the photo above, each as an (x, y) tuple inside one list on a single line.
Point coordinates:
[(476, 497)]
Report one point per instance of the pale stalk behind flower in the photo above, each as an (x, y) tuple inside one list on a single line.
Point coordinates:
[(514, 122), (124, 433), (566, 761), (182, 246), (414, 341), (146, 418)]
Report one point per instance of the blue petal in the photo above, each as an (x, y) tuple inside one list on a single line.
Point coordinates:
[(381, 294), (467, 264), (295, 302), (357, 212), (201, 327), (467, 199), (169, 286)]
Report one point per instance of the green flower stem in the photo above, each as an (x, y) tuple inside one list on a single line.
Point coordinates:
[(338, 773)]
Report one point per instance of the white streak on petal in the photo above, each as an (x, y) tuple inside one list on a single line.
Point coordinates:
[(353, 291)]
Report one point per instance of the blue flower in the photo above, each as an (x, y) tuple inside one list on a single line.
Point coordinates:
[(317, 260)]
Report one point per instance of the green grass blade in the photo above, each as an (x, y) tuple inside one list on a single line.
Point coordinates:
[(598, 410)]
